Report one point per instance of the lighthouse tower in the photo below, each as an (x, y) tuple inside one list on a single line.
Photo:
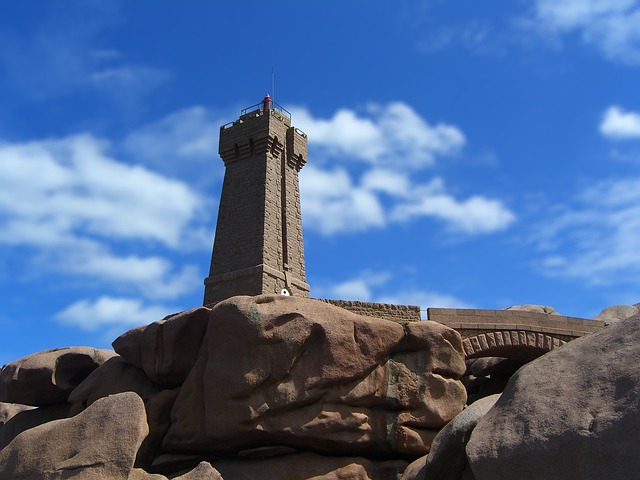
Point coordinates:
[(258, 244)]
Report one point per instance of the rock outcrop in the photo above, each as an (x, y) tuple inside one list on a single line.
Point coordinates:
[(447, 459), (311, 466), (165, 350), (100, 442), (534, 308), (572, 413), (10, 410), (290, 388), (48, 377), (288, 371), (617, 313)]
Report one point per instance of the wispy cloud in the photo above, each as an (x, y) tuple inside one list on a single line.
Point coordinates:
[(596, 238), (360, 287), (479, 36), (150, 276), (620, 124), (181, 141), (63, 53), (611, 26), (380, 134)]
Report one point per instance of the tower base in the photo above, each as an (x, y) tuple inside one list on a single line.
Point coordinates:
[(254, 280)]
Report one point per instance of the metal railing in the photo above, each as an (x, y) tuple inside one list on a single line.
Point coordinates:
[(274, 106)]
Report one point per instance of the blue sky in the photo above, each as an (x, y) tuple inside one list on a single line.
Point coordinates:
[(469, 154)]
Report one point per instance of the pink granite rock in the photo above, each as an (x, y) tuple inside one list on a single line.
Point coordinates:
[(309, 466), (113, 376), (617, 313), (447, 459), (301, 373), (203, 471), (99, 443), (572, 413), (116, 375), (48, 377), (31, 418), (9, 410), (166, 350)]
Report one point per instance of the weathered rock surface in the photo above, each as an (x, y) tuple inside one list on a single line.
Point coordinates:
[(617, 312), (116, 375), (166, 350), (113, 376), (48, 377), (287, 371), (447, 459), (310, 466), (483, 367), (534, 308), (204, 471), (99, 443), (158, 418), (572, 413), (9, 410), (31, 418)]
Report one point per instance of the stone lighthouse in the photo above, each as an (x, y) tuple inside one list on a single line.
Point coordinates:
[(258, 245)]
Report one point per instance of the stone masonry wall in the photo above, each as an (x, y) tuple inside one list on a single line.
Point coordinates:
[(387, 311), (474, 321)]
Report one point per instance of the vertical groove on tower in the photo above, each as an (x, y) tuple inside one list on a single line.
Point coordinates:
[(283, 215)]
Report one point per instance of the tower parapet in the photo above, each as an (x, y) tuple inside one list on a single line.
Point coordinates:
[(258, 246)]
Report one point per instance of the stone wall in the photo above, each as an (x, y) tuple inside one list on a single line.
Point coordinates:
[(473, 321), (387, 311)]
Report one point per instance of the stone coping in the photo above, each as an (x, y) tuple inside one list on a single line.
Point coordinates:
[(476, 319), (388, 311)]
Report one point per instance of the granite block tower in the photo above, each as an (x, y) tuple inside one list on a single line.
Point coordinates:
[(258, 245)]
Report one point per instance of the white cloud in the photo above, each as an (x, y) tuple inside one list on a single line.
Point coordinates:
[(71, 185), (150, 276), (386, 181), (110, 312), (359, 288), (596, 239), (85, 212), (619, 124), (612, 26), (475, 215), (381, 134), (333, 203)]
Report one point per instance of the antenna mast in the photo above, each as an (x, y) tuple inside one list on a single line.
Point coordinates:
[(273, 82)]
